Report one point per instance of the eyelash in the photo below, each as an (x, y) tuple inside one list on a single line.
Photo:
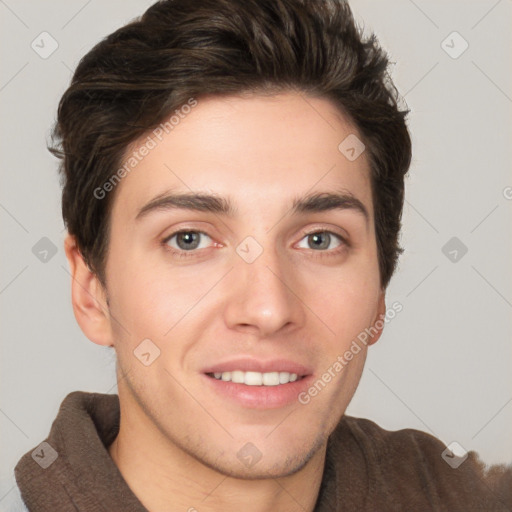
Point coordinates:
[(192, 253), (181, 253)]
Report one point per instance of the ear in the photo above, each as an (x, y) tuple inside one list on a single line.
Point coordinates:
[(88, 297), (378, 322)]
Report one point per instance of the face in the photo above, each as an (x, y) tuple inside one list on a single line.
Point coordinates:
[(242, 250)]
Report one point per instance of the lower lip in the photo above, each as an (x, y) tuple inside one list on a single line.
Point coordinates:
[(260, 397)]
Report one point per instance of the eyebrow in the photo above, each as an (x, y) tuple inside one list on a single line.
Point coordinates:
[(201, 202)]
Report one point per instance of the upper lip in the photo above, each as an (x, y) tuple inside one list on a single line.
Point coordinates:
[(246, 364)]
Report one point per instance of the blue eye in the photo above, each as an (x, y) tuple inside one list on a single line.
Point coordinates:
[(187, 243), (187, 240), (321, 240)]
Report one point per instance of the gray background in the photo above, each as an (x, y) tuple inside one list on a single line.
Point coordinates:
[(443, 364)]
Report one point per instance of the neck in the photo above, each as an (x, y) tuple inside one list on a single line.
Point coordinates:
[(165, 477)]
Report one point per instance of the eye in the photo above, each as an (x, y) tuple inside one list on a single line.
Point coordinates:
[(321, 241), (187, 240)]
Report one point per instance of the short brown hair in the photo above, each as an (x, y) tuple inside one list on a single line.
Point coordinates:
[(135, 78)]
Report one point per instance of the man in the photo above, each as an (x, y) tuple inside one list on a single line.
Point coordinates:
[(233, 187)]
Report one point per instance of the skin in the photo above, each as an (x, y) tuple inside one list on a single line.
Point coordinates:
[(178, 440)]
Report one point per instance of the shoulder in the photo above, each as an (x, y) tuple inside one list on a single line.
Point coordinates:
[(420, 468)]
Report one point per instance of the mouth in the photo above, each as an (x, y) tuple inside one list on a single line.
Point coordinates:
[(258, 384), (256, 378)]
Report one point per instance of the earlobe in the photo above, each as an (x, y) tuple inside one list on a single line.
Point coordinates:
[(378, 322), (88, 297)]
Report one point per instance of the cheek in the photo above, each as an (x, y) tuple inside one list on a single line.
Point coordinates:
[(161, 305), (151, 299), (150, 306), (346, 302)]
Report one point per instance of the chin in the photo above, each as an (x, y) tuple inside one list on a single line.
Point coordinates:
[(270, 462)]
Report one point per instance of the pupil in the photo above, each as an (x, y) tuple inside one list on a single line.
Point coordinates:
[(190, 240), (317, 240)]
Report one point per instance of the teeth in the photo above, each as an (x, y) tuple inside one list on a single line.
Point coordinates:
[(271, 379), (256, 378), (237, 377), (284, 377), (252, 378)]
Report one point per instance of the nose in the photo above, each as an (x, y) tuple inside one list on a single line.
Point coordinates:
[(263, 296)]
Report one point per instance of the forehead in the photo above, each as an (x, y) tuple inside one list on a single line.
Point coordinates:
[(262, 151)]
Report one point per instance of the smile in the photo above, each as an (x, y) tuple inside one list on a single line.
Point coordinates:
[(256, 378)]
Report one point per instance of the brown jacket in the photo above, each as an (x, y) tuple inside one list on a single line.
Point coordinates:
[(367, 468)]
